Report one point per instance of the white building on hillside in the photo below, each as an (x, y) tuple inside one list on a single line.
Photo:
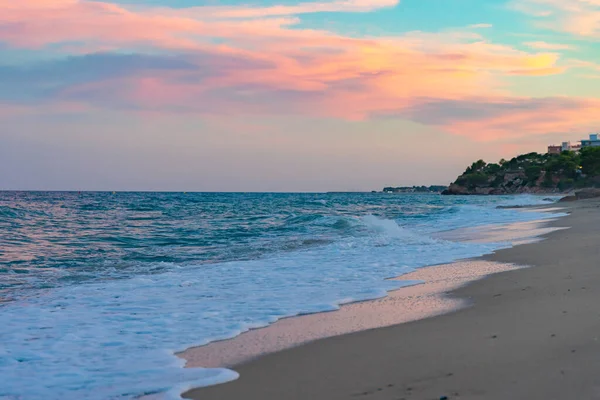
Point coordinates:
[(592, 142), (565, 146)]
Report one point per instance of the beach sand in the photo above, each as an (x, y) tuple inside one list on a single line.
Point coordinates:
[(403, 305), (530, 333)]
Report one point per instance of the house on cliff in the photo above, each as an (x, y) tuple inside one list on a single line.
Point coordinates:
[(565, 146), (591, 142)]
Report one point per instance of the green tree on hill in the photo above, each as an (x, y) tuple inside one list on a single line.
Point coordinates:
[(562, 171), (492, 168), (565, 164), (590, 161), (533, 173), (477, 166)]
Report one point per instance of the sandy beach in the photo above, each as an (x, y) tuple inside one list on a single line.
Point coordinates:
[(530, 333), (407, 304)]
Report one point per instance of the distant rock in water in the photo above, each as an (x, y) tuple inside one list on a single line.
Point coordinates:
[(531, 173), (415, 189)]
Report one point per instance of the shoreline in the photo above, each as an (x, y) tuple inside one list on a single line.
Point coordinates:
[(429, 295), (426, 298), (476, 352), (401, 305)]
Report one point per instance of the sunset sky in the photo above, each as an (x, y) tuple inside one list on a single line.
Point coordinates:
[(287, 96)]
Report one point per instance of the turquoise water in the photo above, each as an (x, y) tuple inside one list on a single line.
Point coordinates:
[(100, 289)]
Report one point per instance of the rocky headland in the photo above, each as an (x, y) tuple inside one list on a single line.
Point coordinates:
[(531, 173)]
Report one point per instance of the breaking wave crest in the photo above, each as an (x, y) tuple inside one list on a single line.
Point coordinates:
[(106, 288)]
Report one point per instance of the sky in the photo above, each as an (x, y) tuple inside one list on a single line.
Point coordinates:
[(207, 95)]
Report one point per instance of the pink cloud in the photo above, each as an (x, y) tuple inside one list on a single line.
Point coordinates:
[(510, 118), (262, 66), (33, 23), (301, 8), (539, 71)]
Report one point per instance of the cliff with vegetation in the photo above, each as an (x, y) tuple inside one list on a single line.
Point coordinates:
[(531, 173)]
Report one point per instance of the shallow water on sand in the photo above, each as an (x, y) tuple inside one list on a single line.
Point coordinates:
[(99, 290), (427, 297)]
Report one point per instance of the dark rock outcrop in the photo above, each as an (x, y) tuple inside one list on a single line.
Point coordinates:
[(456, 190), (567, 199), (588, 193), (514, 182)]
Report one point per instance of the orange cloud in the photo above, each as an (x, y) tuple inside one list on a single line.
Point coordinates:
[(257, 60), (539, 71)]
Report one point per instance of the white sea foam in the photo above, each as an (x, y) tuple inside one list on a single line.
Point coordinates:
[(385, 226), (389, 229), (530, 200), (116, 339)]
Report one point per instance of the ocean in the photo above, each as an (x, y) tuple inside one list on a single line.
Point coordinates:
[(98, 290)]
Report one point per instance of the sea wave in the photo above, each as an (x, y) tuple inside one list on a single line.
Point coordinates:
[(108, 316)]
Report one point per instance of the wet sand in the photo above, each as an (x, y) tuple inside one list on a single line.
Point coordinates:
[(530, 333), (403, 305)]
